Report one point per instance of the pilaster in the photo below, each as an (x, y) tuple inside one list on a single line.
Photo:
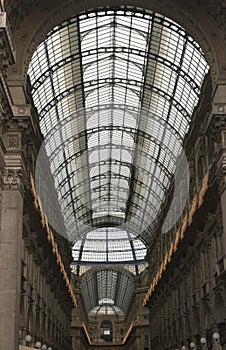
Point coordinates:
[(13, 182), (10, 255), (219, 126)]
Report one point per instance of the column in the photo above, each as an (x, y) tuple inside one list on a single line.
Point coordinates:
[(11, 219)]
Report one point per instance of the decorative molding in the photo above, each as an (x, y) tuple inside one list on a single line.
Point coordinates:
[(12, 141), (13, 179), (219, 109), (21, 110)]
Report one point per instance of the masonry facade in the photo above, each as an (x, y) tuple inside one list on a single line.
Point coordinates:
[(191, 291)]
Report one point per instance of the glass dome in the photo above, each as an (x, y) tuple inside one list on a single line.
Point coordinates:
[(109, 245), (107, 291)]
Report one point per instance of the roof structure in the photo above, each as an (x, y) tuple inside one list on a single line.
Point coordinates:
[(109, 245), (107, 291), (115, 89)]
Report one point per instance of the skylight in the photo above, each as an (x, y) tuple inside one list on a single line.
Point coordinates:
[(109, 245), (107, 291), (115, 90)]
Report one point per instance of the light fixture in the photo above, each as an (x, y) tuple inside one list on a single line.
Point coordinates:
[(44, 347), (49, 348), (203, 340), (27, 338), (192, 345), (38, 345), (183, 347), (216, 335)]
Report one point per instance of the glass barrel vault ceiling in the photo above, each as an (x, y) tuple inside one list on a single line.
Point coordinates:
[(106, 84), (109, 245), (107, 291)]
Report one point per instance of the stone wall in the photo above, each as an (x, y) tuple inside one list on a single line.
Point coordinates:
[(186, 297)]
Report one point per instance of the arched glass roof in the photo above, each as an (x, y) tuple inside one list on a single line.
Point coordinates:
[(109, 245), (107, 291), (115, 89)]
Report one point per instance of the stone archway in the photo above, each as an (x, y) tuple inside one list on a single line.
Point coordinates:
[(106, 331)]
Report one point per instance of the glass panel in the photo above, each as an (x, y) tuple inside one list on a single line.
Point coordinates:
[(115, 91), (102, 294)]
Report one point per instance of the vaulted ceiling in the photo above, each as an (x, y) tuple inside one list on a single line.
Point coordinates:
[(115, 90)]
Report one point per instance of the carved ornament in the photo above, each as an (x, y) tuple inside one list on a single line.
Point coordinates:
[(21, 110), (13, 179), (12, 141)]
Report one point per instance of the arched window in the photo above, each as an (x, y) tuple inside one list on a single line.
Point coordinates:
[(106, 331)]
